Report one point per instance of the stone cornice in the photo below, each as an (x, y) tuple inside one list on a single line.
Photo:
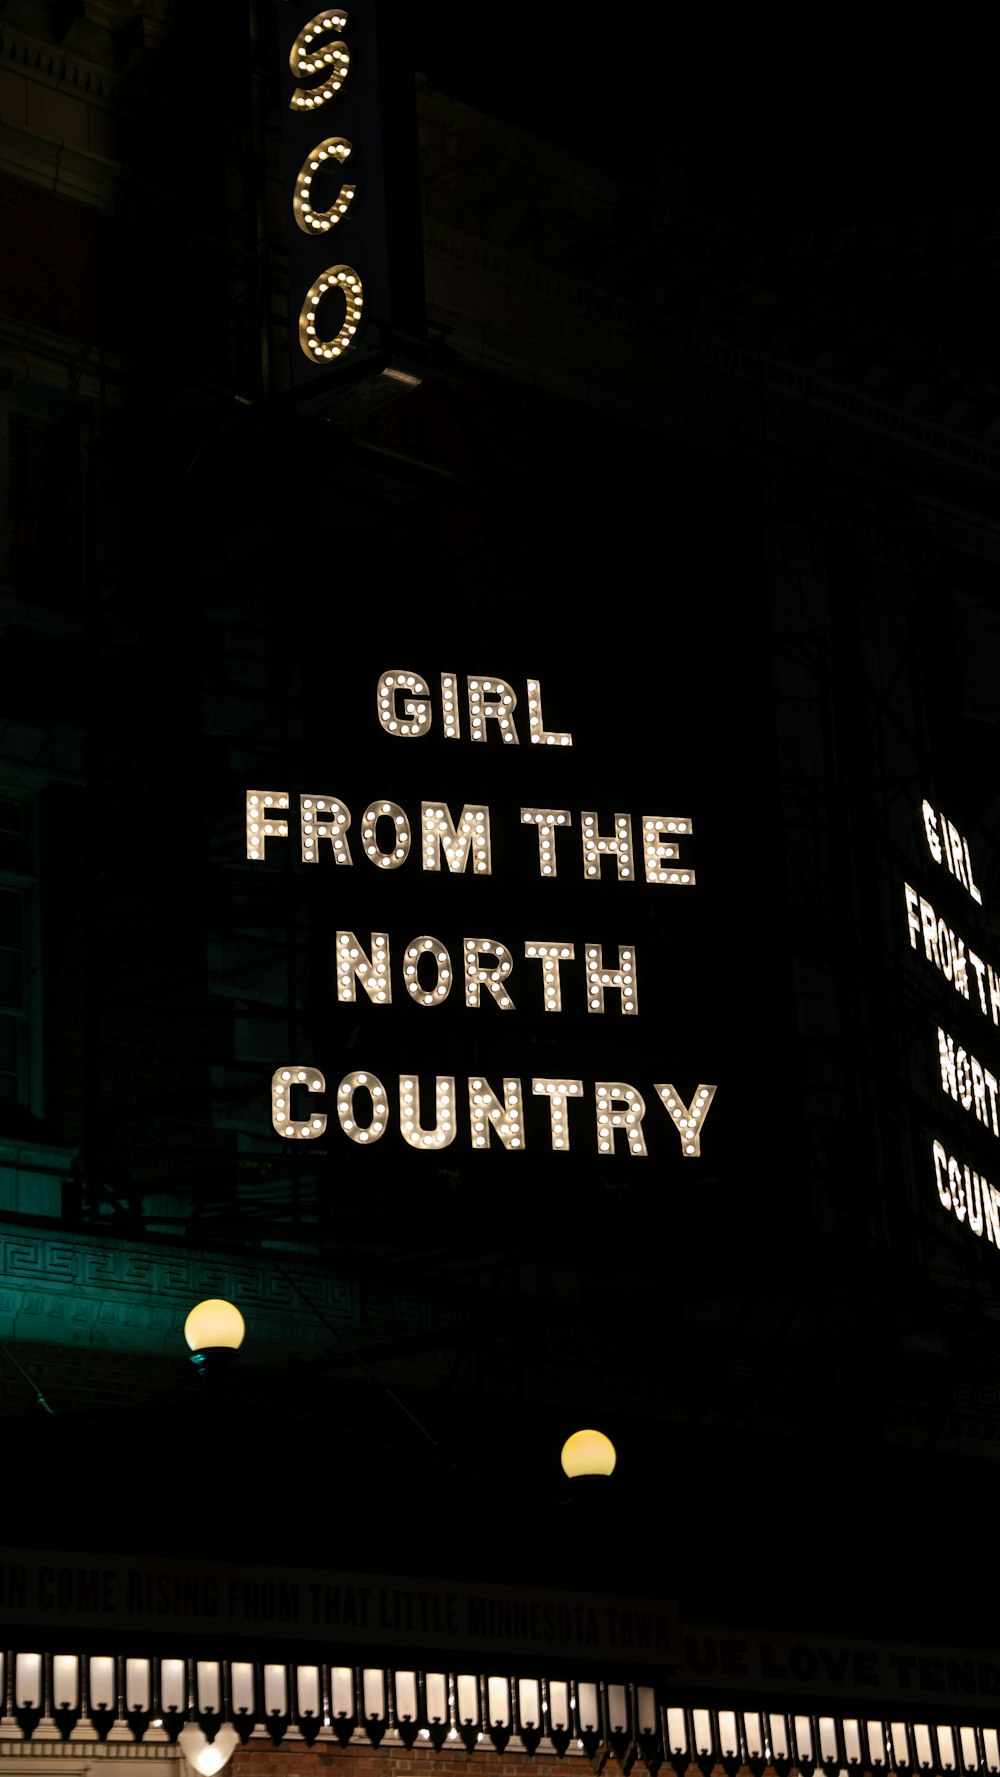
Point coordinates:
[(32, 355), (56, 65), (59, 167)]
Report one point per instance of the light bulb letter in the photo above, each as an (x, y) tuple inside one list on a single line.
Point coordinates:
[(282, 1082), (354, 964), (538, 733), (471, 835), (558, 1093), (597, 846), (688, 1119), (323, 817), (314, 52), (491, 700), (477, 977), (267, 818), (402, 702)]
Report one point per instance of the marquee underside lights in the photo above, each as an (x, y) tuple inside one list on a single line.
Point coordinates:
[(484, 973)]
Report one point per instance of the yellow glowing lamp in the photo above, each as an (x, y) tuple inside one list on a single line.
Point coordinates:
[(214, 1329), (588, 1453), (203, 1755)]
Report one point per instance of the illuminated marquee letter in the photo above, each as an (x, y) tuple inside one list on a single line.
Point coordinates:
[(323, 817), (477, 977), (598, 978), (546, 820), (362, 1133), (598, 846), (539, 734), (419, 949), (337, 279), (309, 219), (558, 1093), (688, 1119), (550, 957), (331, 60), (941, 1162), (282, 1081), (612, 1093), (660, 851), (389, 811), (262, 823), (449, 706), (443, 1133), (372, 971), (487, 1115), (491, 700), (472, 833), (399, 700), (930, 829)]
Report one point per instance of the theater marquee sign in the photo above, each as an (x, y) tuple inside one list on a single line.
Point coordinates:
[(492, 973), (970, 997)]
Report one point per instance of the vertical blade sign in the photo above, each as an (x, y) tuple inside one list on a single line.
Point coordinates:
[(340, 135)]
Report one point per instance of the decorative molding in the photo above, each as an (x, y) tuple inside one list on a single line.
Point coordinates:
[(73, 1289), (55, 65), (32, 355), (59, 167)]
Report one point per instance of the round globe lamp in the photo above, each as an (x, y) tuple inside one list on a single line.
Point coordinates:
[(208, 1756), (588, 1453), (214, 1332)]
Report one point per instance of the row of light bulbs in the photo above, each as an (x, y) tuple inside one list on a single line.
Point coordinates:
[(215, 1330)]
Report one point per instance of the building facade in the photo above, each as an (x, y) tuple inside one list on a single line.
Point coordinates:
[(498, 872)]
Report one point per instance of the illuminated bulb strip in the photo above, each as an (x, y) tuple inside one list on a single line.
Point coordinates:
[(440, 834), (609, 1095), (261, 822), (597, 846), (400, 704), (332, 62), (323, 817), (487, 1115), (372, 971), (660, 848), (449, 706), (550, 956), (624, 978), (344, 279), (491, 700), (282, 1081), (443, 1133), (688, 1119), (539, 735), (423, 947), (546, 820), (558, 1093), (363, 1134), (376, 811), (310, 220), (476, 977)]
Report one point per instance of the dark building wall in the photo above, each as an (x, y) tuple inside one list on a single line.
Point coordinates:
[(702, 497)]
